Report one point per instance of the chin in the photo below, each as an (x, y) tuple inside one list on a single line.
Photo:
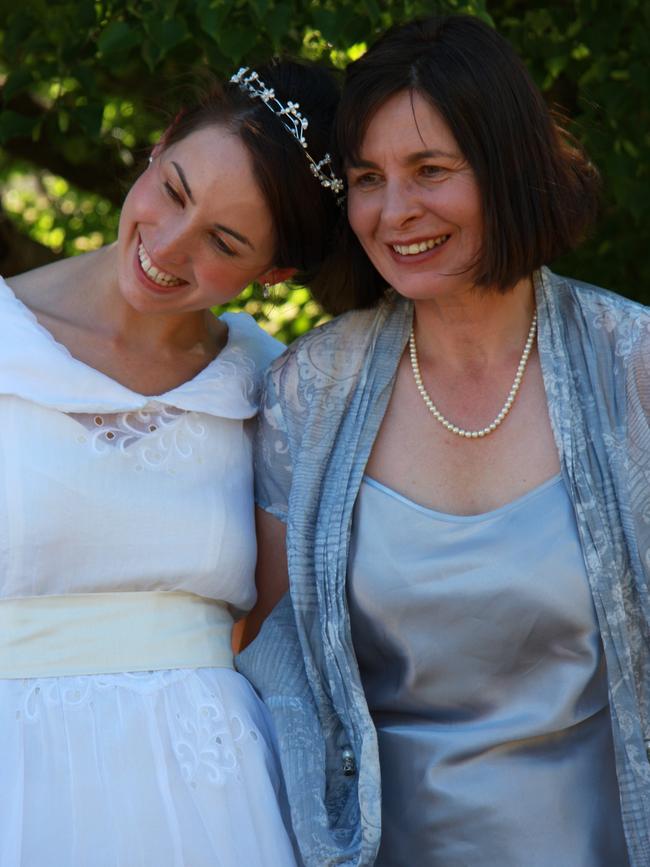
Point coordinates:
[(139, 300), (426, 290)]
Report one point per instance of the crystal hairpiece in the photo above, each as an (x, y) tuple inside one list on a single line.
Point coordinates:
[(292, 120)]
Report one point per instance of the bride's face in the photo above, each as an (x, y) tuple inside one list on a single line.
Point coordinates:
[(195, 228)]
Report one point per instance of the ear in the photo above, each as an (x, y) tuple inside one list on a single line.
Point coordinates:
[(277, 275)]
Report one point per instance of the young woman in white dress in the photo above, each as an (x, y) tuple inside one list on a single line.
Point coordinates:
[(127, 540)]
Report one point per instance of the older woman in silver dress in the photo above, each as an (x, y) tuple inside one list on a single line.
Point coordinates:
[(461, 464)]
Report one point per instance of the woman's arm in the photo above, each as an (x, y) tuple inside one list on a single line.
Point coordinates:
[(272, 576)]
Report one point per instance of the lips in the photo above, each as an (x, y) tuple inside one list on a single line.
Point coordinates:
[(156, 275)]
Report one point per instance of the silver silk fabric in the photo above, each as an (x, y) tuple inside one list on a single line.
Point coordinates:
[(325, 398), (483, 670)]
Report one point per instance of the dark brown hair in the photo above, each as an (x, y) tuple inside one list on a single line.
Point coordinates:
[(538, 190), (304, 213)]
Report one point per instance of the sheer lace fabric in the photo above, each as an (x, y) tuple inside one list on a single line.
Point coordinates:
[(168, 768)]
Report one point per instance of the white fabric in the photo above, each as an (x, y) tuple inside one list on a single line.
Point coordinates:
[(105, 490)]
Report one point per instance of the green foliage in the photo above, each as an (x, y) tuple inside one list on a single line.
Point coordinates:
[(85, 90), (591, 59), (52, 212), (288, 313)]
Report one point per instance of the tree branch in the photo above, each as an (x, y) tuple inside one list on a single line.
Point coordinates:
[(104, 176)]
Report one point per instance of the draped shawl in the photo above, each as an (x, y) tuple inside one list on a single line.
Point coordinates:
[(324, 401)]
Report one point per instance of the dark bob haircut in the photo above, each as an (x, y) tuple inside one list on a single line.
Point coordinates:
[(304, 213), (538, 190)]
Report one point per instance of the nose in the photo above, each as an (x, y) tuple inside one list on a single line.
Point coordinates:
[(171, 243), (401, 204)]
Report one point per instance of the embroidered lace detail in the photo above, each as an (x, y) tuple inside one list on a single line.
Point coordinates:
[(208, 746), (236, 365), (46, 693), (209, 741), (150, 437)]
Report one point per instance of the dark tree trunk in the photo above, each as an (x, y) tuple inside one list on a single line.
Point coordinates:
[(19, 253)]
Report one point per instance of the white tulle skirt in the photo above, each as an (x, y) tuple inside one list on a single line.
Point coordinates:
[(162, 769)]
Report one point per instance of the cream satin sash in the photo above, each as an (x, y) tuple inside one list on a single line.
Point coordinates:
[(107, 633)]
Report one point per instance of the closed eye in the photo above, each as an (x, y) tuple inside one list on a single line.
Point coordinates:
[(221, 245), (173, 195)]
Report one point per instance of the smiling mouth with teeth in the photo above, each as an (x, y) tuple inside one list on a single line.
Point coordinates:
[(162, 278), (420, 247)]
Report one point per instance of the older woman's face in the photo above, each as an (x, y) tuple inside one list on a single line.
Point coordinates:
[(414, 202)]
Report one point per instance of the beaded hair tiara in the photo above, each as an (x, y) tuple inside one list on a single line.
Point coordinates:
[(292, 120)]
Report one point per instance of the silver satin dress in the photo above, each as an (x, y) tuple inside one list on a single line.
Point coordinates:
[(482, 665)]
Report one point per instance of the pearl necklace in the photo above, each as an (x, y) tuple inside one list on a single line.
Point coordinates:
[(507, 406)]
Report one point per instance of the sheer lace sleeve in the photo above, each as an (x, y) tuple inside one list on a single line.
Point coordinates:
[(273, 468)]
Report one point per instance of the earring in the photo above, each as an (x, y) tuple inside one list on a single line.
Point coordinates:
[(266, 290), (150, 160)]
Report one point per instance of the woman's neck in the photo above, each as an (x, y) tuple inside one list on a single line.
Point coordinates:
[(476, 328), (84, 290)]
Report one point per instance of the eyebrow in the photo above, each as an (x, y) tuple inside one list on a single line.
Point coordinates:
[(226, 229), (183, 180), (410, 160)]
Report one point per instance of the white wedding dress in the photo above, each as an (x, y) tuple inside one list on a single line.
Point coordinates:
[(104, 490)]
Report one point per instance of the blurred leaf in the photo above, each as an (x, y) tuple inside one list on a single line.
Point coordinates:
[(16, 82), (326, 21), (14, 125), (164, 36), (236, 40), (278, 21), (118, 37), (373, 10), (21, 24), (212, 16), (260, 8), (90, 118)]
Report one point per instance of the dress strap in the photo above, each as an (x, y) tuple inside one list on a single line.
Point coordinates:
[(108, 633)]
